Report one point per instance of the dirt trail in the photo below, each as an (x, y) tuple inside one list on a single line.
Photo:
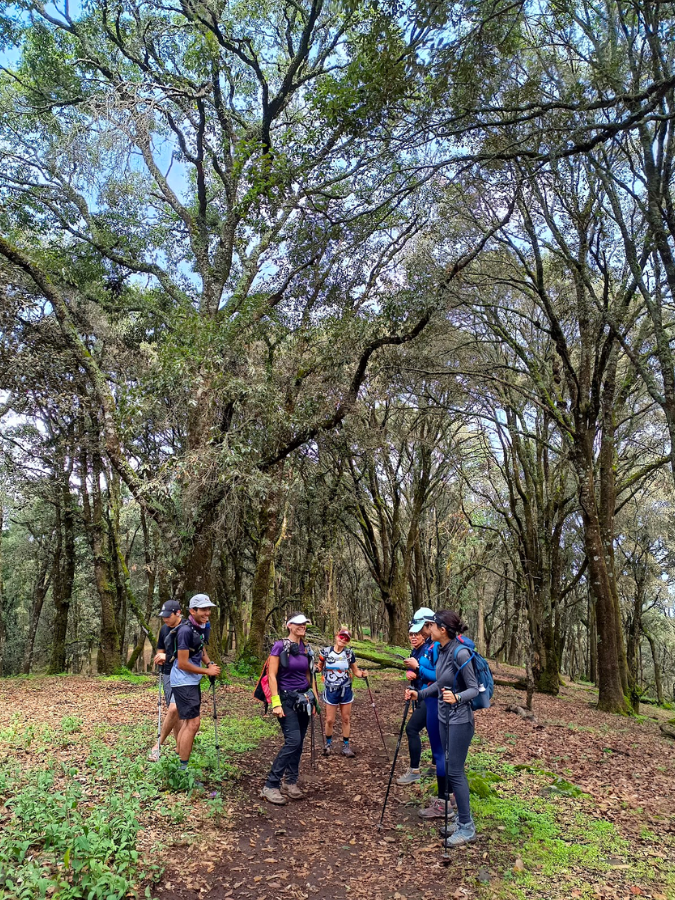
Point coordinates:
[(326, 845)]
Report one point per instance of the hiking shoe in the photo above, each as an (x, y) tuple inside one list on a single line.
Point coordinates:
[(410, 777), (348, 752), (452, 828), (292, 790), (464, 834), (273, 795), (153, 755), (327, 750), (435, 810)]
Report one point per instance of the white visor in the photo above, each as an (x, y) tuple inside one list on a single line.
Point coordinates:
[(299, 620)]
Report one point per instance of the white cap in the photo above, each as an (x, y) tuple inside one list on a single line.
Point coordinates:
[(200, 601), (423, 613), (299, 619), (420, 618)]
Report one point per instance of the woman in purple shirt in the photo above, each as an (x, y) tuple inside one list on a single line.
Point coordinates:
[(289, 676)]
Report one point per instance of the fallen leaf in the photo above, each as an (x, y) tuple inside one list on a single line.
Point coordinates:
[(519, 865)]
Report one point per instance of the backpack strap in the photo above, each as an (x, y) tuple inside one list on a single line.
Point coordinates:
[(455, 654), (174, 641), (283, 656)]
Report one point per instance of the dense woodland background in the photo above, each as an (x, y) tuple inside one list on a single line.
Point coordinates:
[(341, 307)]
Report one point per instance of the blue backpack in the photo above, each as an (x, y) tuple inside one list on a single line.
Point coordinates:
[(486, 683)]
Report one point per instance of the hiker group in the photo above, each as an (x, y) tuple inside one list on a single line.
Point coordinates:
[(447, 680)]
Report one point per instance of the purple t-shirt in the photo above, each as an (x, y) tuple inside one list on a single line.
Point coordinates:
[(295, 676)]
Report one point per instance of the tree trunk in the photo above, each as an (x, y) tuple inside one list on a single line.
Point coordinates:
[(40, 589), (592, 640), (109, 656), (515, 627), (480, 627), (658, 684), (63, 580), (397, 608), (262, 579), (331, 606), (151, 574), (3, 629), (611, 696)]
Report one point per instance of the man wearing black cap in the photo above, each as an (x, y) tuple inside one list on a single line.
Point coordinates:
[(187, 671), (166, 644)]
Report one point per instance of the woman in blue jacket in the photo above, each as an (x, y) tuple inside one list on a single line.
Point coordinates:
[(423, 664)]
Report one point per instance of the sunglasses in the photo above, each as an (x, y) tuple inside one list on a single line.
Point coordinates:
[(344, 637)]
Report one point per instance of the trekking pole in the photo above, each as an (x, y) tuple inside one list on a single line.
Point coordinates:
[(212, 679), (159, 713), (318, 708), (446, 854), (393, 765), (311, 738), (377, 718)]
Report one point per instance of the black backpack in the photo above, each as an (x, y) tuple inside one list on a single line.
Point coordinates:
[(262, 690)]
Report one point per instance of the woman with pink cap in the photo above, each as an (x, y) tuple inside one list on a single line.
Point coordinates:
[(338, 665)]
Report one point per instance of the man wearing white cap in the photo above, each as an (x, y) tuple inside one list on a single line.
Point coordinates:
[(187, 672)]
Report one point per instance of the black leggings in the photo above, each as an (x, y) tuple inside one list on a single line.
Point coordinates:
[(294, 727), (456, 752), (416, 723)]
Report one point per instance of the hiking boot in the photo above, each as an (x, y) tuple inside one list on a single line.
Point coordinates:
[(410, 777), (348, 752), (452, 828), (273, 795), (153, 755), (464, 834), (327, 750), (292, 790), (435, 810)]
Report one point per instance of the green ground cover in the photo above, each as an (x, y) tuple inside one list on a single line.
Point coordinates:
[(73, 802)]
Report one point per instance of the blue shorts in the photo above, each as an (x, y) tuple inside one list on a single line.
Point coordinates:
[(339, 696)]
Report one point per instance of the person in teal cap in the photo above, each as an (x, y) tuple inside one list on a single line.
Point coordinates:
[(425, 669)]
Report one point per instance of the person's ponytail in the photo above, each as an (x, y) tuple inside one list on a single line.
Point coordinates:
[(451, 621)]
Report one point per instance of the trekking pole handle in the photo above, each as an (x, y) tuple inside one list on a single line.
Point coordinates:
[(212, 679)]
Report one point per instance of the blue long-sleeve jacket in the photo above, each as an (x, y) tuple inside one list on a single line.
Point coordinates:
[(427, 660), (416, 653)]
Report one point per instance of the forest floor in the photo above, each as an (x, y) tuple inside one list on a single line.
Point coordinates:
[(576, 804)]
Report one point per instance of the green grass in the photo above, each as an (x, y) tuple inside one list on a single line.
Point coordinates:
[(531, 813), (129, 677), (70, 826)]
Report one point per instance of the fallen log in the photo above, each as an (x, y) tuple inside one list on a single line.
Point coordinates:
[(385, 662), (520, 685), (520, 711), (668, 730)]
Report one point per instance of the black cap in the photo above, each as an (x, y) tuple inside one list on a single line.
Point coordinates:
[(169, 608)]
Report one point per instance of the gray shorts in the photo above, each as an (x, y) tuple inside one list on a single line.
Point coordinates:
[(168, 691)]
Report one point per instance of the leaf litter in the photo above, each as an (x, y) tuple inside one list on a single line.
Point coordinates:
[(623, 768)]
